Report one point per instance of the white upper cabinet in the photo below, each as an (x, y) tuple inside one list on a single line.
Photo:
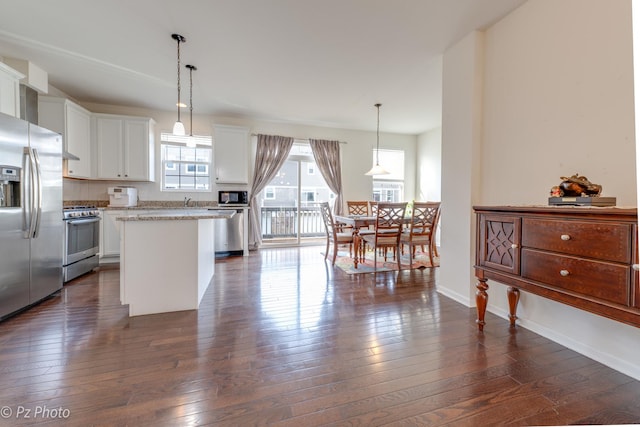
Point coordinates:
[(125, 147), (231, 154), (74, 124), (9, 90)]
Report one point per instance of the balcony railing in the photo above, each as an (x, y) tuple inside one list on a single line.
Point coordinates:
[(284, 222)]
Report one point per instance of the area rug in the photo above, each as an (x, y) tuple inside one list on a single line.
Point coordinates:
[(420, 261)]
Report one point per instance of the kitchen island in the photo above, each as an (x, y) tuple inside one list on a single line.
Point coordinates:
[(167, 258)]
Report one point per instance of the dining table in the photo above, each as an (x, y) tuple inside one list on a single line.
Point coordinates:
[(356, 222)]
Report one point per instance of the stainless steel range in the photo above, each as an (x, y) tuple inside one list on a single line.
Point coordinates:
[(81, 240)]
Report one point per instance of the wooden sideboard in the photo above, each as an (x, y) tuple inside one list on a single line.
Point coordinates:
[(580, 256)]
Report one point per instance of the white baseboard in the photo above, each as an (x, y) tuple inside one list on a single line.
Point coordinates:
[(613, 362), (462, 299)]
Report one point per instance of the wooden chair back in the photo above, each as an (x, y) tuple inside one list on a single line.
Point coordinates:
[(327, 218), (358, 207), (422, 228), (373, 208), (388, 228), (389, 222), (334, 235), (424, 218), (390, 218)]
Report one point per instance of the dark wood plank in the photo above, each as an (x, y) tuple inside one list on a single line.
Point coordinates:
[(282, 338)]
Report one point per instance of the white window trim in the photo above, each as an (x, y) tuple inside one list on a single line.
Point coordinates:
[(202, 142)]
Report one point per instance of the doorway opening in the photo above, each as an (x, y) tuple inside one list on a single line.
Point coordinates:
[(289, 213)]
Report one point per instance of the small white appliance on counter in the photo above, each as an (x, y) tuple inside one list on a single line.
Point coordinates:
[(123, 197)]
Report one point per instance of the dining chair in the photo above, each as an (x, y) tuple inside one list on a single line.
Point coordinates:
[(334, 236), (436, 224), (361, 208), (373, 208), (422, 228), (388, 228), (355, 207)]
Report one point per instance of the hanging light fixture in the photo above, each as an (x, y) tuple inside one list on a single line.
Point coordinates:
[(191, 142), (377, 169), (178, 127)]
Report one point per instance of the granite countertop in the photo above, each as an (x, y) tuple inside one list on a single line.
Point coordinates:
[(153, 204), (173, 214), (174, 208)]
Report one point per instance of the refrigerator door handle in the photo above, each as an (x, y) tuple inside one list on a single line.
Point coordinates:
[(25, 198), (29, 197), (30, 205), (37, 207)]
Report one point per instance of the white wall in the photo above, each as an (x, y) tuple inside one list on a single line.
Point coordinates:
[(558, 100), (356, 154), (461, 138), (428, 169)]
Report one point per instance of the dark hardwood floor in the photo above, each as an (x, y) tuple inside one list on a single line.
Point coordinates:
[(284, 339)]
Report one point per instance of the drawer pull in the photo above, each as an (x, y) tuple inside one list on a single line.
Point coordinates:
[(565, 237), (514, 246), (564, 273)]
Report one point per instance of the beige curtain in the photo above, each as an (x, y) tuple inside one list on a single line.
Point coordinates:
[(327, 156), (271, 153)]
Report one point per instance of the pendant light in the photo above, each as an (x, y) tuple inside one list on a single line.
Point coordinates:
[(377, 169), (178, 127), (191, 142)]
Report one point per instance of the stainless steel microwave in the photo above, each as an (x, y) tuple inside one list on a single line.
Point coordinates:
[(233, 198)]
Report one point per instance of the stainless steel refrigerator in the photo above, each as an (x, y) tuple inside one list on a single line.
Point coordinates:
[(31, 225)]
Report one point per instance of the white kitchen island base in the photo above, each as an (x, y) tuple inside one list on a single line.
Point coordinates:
[(165, 265)]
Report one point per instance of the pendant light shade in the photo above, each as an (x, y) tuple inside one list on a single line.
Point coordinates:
[(178, 127), (191, 142), (377, 169)]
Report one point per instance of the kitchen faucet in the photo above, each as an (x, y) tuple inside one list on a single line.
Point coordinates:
[(186, 201)]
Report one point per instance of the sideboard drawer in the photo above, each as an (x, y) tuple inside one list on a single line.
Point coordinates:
[(601, 280), (593, 239)]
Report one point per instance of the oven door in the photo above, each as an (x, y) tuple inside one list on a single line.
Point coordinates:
[(82, 239)]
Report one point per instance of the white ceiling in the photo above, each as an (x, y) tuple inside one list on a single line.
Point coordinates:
[(314, 62)]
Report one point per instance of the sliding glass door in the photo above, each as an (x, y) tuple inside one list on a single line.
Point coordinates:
[(289, 204)]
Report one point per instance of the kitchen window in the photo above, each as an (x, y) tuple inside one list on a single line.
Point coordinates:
[(185, 168)]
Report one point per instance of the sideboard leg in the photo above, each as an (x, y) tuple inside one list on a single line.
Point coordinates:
[(513, 295), (481, 302)]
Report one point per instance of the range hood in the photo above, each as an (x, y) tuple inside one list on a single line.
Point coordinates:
[(29, 112), (68, 156)]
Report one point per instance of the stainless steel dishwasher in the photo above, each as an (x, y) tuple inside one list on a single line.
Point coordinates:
[(229, 235)]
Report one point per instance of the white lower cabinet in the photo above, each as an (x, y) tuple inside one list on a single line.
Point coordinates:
[(110, 236), (110, 233)]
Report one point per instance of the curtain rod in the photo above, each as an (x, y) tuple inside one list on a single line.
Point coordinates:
[(302, 139)]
